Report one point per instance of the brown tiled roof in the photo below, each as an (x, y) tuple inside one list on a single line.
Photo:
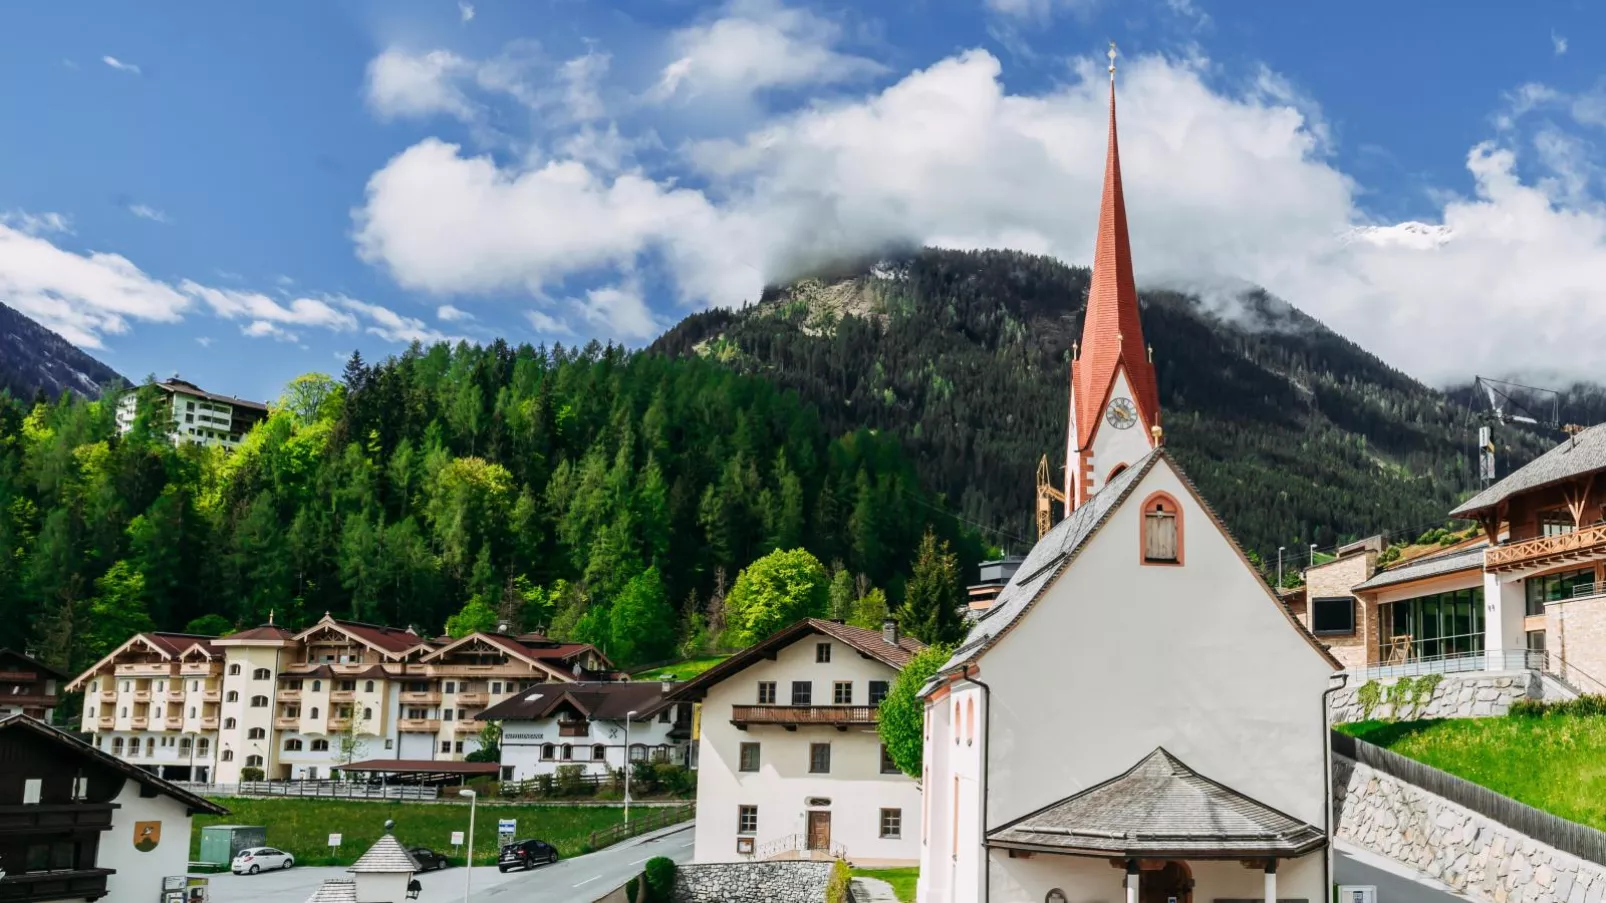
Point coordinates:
[(189, 388), (43, 669), (392, 638), (605, 700), (866, 641), (176, 643), (77, 747), (265, 632), (1112, 336), (1161, 808)]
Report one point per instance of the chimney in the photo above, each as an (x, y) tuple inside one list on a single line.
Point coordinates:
[(665, 686), (889, 631)]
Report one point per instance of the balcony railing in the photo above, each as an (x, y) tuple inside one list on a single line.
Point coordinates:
[(80, 884), (574, 729), (106, 722), (336, 725), (146, 669), (209, 723), (142, 695), (108, 695), (288, 695), (211, 695), (199, 669), (32, 699), (1580, 545), (173, 722), (468, 727), (419, 725), (477, 697), (342, 695), (790, 716), (1584, 590), (139, 722), (37, 819), (286, 724), (176, 690), (425, 697)]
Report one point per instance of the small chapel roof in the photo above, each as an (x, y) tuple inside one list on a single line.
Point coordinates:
[(1161, 808), (386, 856), (335, 890)]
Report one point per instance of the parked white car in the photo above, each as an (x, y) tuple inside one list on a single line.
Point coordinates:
[(251, 860)]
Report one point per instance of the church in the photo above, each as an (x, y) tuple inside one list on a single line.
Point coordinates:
[(1136, 717)]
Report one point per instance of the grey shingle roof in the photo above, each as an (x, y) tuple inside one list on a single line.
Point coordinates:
[(1046, 558), (386, 855), (1161, 807), (1428, 566), (335, 890), (1579, 455)]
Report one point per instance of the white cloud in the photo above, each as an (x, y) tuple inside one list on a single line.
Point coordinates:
[(119, 65), (81, 296), (144, 211), (393, 327), (755, 45), (264, 329), (268, 315), (36, 223), (1040, 10), (400, 84), (446, 313), (203, 341), (546, 323), (1558, 43), (465, 11)]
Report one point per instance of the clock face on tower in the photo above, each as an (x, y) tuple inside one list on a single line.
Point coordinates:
[(1121, 413)]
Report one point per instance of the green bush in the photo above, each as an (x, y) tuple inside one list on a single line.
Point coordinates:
[(545, 784), (643, 778), (250, 773), (836, 889), (630, 889), (1585, 705), (660, 875), (675, 780), (570, 780)]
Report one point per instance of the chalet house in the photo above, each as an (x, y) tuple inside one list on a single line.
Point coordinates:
[(1137, 715), (583, 725), (78, 824), (790, 764), (28, 686), (298, 704)]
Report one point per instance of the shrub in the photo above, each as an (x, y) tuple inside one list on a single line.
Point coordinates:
[(545, 784), (250, 773), (1527, 708), (630, 889), (643, 778), (674, 779), (660, 875), (1586, 705), (836, 889), (571, 780)]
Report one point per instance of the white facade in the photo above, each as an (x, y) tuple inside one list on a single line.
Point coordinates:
[(197, 417), (1114, 448), (1116, 658), (140, 873), (788, 797), (538, 746)]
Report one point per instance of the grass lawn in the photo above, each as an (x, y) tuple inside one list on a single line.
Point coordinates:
[(302, 827), (902, 880), (684, 670), (1556, 763)]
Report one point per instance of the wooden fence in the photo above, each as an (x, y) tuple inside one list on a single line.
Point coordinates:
[(360, 790), (1571, 837), (651, 820)]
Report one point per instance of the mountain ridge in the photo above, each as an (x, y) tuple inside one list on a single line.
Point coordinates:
[(35, 359)]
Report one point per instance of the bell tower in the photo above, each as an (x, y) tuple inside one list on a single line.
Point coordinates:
[(1115, 400)]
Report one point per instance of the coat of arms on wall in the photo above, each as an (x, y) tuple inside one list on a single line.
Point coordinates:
[(147, 834)]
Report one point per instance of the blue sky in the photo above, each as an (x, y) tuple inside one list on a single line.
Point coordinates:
[(243, 192)]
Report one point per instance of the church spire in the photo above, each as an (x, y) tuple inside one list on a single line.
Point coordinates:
[(1112, 336)]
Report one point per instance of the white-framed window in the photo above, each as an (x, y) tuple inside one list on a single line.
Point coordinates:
[(822, 653), (262, 674), (746, 819), (256, 733), (259, 702), (253, 761), (234, 669), (891, 824)]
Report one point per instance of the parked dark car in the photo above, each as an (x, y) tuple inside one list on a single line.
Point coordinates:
[(526, 854), (428, 860)]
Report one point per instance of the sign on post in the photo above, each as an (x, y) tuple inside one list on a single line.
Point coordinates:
[(507, 826), (334, 840), (457, 838)]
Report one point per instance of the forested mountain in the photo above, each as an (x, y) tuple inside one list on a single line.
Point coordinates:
[(548, 486), (34, 360), (1295, 434)]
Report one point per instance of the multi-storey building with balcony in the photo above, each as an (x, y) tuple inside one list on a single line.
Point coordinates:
[(28, 686), (298, 704), (596, 727), (789, 760), (198, 417), (79, 824)]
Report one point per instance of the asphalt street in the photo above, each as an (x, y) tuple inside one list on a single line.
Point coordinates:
[(575, 880), (1395, 883)]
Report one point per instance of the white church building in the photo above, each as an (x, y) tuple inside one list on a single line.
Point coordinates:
[(1137, 717)]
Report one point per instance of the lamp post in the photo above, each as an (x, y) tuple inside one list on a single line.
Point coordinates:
[(468, 868), (1313, 554), (628, 715), (1280, 566)]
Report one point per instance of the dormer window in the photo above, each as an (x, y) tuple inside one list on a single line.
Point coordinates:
[(1162, 530)]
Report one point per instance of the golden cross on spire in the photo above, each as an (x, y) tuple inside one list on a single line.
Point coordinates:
[(1112, 61)]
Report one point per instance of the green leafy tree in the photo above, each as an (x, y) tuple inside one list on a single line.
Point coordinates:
[(116, 612), (209, 625), (774, 591), (930, 609), (478, 616), (642, 622), (870, 612), (312, 397), (842, 594), (490, 748), (902, 716)]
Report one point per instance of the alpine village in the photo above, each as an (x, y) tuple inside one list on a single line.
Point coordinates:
[(736, 617)]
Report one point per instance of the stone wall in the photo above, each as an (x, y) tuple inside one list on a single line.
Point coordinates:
[(1575, 635), (1474, 694), (745, 882), (1471, 853)]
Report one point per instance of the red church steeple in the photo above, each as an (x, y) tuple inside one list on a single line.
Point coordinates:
[(1111, 348)]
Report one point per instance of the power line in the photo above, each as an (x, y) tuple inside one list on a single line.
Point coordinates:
[(964, 520)]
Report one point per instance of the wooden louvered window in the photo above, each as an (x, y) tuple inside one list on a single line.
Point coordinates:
[(1162, 531)]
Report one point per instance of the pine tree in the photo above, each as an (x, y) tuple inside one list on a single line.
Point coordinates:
[(930, 609)]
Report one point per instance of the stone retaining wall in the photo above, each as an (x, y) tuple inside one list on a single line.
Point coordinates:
[(1473, 854), (1477, 694), (747, 882)]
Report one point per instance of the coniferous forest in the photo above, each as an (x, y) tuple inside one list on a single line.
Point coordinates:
[(601, 495)]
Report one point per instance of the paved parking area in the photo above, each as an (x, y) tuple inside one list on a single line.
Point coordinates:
[(568, 881)]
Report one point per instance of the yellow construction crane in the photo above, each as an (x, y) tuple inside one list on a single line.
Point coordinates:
[(1047, 495)]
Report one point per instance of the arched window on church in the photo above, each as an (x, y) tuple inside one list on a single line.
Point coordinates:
[(1162, 530), (1114, 472), (970, 721)]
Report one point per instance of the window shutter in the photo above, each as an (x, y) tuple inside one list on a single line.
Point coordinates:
[(1159, 537)]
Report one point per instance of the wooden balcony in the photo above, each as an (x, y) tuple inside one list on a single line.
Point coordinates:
[(1587, 544), (427, 697), (199, 669), (146, 669), (209, 723), (108, 696), (139, 722), (468, 727), (288, 695), (339, 725), (790, 717), (173, 723), (106, 722), (31, 700), (574, 729), (283, 723), (478, 697), (59, 817), (176, 691), (81, 884), (419, 725), (342, 695), (211, 695), (142, 695)]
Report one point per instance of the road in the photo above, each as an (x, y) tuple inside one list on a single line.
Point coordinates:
[(1395, 883), (568, 881)]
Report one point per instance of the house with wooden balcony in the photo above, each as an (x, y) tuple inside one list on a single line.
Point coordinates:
[(28, 686), (590, 726), (790, 764), (79, 824)]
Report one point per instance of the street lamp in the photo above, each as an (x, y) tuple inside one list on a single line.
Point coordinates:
[(1280, 566), (628, 715), (468, 869)]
